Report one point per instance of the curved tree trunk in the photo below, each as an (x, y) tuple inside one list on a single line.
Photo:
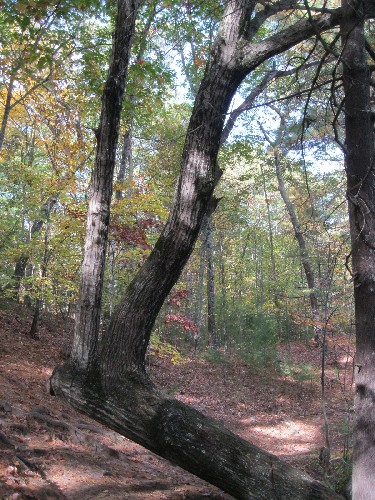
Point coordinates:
[(232, 58), (110, 384)]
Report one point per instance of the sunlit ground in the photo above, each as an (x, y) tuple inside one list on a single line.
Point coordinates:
[(290, 437)]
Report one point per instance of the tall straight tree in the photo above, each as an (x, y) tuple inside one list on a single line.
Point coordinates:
[(89, 306), (360, 167), (110, 384)]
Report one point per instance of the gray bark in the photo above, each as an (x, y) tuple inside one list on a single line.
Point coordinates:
[(185, 436), (359, 159), (111, 385), (298, 233), (126, 161), (232, 58), (89, 307)]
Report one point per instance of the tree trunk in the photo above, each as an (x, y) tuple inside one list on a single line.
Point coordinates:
[(111, 385), (125, 343), (359, 157), (199, 302), (23, 261), (126, 162), (7, 109), (275, 293), (304, 255), (35, 323), (298, 233), (89, 307), (211, 313), (183, 435), (223, 305)]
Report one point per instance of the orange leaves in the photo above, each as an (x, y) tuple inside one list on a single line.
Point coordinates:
[(199, 62)]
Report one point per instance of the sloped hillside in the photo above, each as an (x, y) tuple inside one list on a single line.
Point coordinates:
[(49, 451)]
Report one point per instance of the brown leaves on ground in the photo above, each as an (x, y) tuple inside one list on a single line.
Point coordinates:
[(49, 451)]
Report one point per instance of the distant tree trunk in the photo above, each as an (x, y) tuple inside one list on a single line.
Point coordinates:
[(298, 233), (211, 314), (126, 162), (273, 260), (7, 109), (35, 322), (89, 306), (22, 262), (359, 158), (293, 216), (200, 281), (223, 305), (19, 274)]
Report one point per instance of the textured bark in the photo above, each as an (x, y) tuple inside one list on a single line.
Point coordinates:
[(232, 58), (359, 145), (183, 435), (125, 343), (111, 386), (88, 314)]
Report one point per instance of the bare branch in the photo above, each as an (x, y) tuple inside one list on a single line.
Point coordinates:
[(251, 55)]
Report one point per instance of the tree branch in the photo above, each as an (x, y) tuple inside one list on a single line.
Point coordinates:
[(251, 55)]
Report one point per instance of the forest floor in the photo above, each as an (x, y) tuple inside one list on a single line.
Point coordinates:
[(49, 451)]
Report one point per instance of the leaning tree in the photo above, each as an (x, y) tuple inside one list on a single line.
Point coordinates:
[(106, 380)]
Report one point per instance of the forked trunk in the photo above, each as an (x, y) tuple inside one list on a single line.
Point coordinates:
[(111, 385)]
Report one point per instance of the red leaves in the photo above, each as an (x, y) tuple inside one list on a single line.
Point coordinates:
[(186, 323), (176, 297), (134, 234), (74, 211)]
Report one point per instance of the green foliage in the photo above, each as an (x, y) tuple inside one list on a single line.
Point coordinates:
[(261, 345), (161, 348), (215, 356), (302, 372), (173, 389), (58, 53), (339, 477), (254, 336)]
